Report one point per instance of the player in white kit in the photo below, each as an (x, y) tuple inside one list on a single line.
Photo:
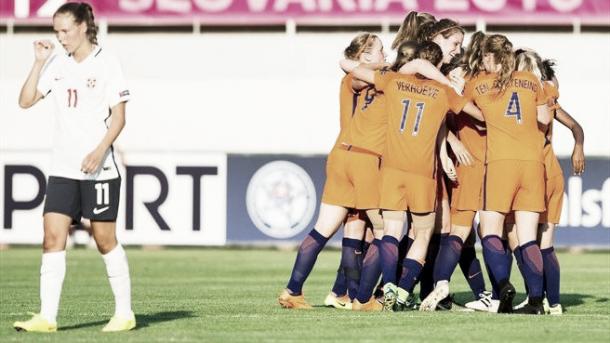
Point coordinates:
[(87, 86)]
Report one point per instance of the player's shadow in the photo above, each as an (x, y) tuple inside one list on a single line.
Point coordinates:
[(575, 299), (143, 320)]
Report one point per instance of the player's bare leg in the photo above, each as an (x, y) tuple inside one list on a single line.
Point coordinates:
[(329, 220), (117, 269), (52, 273)]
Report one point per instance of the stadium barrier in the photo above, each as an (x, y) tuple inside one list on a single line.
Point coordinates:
[(217, 199)]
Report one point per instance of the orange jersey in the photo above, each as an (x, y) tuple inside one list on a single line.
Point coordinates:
[(416, 109), (551, 163), (347, 105), (369, 126), (552, 94), (511, 117)]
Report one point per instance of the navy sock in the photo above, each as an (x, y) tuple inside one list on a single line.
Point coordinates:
[(509, 256), (426, 277), (365, 247), (410, 273), (495, 290), (403, 250), (532, 269), (371, 270), (306, 258), (448, 258), (340, 285), (551, 275), (496, 258), (350, 253), (471, 268), (519, 260), (389, 258)]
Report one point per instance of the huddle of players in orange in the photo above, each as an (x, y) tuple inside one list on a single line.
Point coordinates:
[(431, 140)]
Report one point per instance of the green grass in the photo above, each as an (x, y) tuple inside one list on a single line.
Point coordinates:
[(213, 295)]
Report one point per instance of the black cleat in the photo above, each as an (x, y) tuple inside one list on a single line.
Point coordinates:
[(445, 304), (533, 306), (507, 294)]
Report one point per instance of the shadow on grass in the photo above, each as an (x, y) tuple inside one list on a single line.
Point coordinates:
[(567, 299), (575, 299), (143, 320)]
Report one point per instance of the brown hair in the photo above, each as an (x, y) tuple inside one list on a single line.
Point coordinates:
[(528, 60), (445, 27), (405, 52), (431, 52), (502, 50), (472, 60), (82, 12), (548, 70), (362, 43), (410, 27)]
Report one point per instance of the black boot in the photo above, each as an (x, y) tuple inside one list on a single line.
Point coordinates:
[(534, 306), (507, 294)]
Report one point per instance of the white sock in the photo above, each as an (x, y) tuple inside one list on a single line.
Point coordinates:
[(52, 273), (118, 275)]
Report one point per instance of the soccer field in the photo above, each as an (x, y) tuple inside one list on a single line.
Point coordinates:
[(223, 295)]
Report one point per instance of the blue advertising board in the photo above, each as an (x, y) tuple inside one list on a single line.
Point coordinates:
[(275, 198)]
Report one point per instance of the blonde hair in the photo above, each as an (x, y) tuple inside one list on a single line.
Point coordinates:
[(472, 61), (359, 45), (410, 27), (502, 50)]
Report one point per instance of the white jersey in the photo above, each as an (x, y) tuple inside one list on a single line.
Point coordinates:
[(84, 93)]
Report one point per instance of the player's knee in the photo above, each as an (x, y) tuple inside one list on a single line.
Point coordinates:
[(463, 232), (53, 242), (376, 219), (105, 243), (424, 221)]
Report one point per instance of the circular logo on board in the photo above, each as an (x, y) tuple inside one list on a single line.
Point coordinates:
[(281, 199)]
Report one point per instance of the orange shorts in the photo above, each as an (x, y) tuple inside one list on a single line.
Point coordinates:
[(514, 185), (554, 200), (352, 180), (467, 192), (401, 191), (462, 217)]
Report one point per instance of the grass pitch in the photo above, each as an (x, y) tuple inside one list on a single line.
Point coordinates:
[(214, 295)]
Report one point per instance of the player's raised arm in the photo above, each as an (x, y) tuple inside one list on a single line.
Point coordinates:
[(364, 74), (578, 154), (425, 68), (349, 66), (30, 94)]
